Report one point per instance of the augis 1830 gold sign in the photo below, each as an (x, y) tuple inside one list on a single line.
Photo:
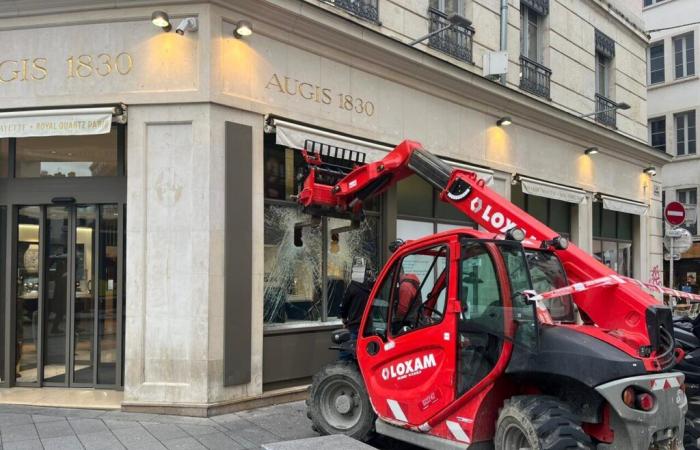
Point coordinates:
[(77, 66), (315, 93)]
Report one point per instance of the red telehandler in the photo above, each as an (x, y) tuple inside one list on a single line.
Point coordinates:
[(474, 355)]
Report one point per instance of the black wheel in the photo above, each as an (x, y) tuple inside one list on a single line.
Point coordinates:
[(537, 422), (338, 402), (691, 435)]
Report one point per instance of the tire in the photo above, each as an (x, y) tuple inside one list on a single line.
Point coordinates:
[(539, 423), (691, 435), (338, 402)]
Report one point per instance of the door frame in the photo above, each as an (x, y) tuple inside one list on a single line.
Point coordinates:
[(18, 192)]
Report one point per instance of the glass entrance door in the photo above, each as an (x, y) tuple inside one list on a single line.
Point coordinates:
[(68, 308)]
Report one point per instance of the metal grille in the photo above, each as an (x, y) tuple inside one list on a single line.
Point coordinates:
[(457, 41), (366, 9), (534, 77), (608, 118), (604, 44)]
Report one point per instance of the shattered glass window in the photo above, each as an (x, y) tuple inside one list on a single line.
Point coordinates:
[(293, 291)]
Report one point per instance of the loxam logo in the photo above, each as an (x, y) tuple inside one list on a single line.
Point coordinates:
[(409, 367), (497, 220)]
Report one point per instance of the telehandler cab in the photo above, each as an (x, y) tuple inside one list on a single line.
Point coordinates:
[(473, 357)]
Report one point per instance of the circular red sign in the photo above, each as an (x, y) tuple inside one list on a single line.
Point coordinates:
[(675, 213)]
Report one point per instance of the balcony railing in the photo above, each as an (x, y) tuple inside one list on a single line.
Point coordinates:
[(534, 77), (457, 41), (609, 116), (366, 9)]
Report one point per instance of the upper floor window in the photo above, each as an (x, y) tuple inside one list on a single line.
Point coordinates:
[(366, 9), (455, 41), (656, 63), (689, 198), (530, 33), (684, 51), (448, 6), (651, 2), (657, 133), (602, 74), (685, 133)]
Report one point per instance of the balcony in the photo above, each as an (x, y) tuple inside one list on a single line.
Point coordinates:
[(534, 77), (456, 42), (365, 9), (609, 116)]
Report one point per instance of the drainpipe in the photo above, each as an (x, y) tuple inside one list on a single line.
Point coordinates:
[(504, 33)]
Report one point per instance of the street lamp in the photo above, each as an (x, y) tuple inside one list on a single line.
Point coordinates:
[(651, 171), (621, 105), (504, 121), (591, 151), (455, 20)]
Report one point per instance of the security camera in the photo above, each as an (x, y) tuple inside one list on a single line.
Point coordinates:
[(189, 24)]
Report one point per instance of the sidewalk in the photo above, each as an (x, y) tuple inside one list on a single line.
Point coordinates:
[(29, 427)]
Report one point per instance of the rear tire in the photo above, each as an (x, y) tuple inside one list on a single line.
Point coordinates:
[(338, 402), (691, 435), (539, 423)]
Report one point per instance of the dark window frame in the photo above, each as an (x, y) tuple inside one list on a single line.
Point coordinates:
[(660, 72), (661, 142), (686, 67), (684, 145)]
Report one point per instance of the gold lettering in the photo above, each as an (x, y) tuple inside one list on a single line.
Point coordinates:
[(40, 72), (24, 70), (308, 96), (15, 72), (326, 96), (275, 81)]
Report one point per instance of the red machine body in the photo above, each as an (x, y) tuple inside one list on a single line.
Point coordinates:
[(412, 379)]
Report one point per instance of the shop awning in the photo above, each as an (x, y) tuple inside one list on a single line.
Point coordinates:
[(57, 122), (294, 135), (554, 191), (623, 205)]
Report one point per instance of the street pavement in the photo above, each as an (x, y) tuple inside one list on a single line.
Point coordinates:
[(29, 427)]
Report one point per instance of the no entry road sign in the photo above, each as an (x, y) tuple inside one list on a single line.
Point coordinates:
[(675, 213)]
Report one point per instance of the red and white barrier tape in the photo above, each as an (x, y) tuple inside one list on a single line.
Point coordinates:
[(614, 280)]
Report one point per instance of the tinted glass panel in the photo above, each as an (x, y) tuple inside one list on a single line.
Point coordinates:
[(547, 274), (597, 208), (55, 294), (4, 152), (67, 156), (27, 292), (657, 130), (560, 217), (379, 314), (84, 300), (107, 250), (624, 226), (656, 63), (415, 197), (608, 224), (3, 234), (537, 207)]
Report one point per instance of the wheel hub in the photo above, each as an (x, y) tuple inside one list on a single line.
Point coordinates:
[(343, 404)]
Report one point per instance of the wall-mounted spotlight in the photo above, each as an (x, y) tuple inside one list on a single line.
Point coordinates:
[(504, 121), (651, 171), (591, 151), (190, 24), (161, 20), (243, 28)]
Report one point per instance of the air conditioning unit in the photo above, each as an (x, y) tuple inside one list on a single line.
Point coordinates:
[(495, 64)]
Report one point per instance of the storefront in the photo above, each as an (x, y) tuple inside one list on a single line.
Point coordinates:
[(195, 298)]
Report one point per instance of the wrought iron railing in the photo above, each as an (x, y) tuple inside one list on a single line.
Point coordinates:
[(608, 115), (457, 41), (366, 9), (534, 77)]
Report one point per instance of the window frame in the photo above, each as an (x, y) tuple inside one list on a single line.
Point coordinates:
[(442, 6), (663, 132), (526, 14), (687, 67), (617, 239), (602, 74), (685, 143), (649, 3), (395, 287), (662, 70), (686, 202)]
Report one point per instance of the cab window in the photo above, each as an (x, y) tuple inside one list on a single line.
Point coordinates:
[(420, 290), (379, 313), (547, 274)]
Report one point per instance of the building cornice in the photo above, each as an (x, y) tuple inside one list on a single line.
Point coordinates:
[(382, 55)]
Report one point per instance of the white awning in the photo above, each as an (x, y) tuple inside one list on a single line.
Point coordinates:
[(554, 191), (56, 122), (293, 135), (624, 206)]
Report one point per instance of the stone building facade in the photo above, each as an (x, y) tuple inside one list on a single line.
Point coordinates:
[(154, 254)]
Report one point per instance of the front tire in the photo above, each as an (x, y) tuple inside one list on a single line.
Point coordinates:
[(338, 402), (539, 423)]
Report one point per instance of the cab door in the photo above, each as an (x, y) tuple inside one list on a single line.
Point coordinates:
[(407, 348)]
